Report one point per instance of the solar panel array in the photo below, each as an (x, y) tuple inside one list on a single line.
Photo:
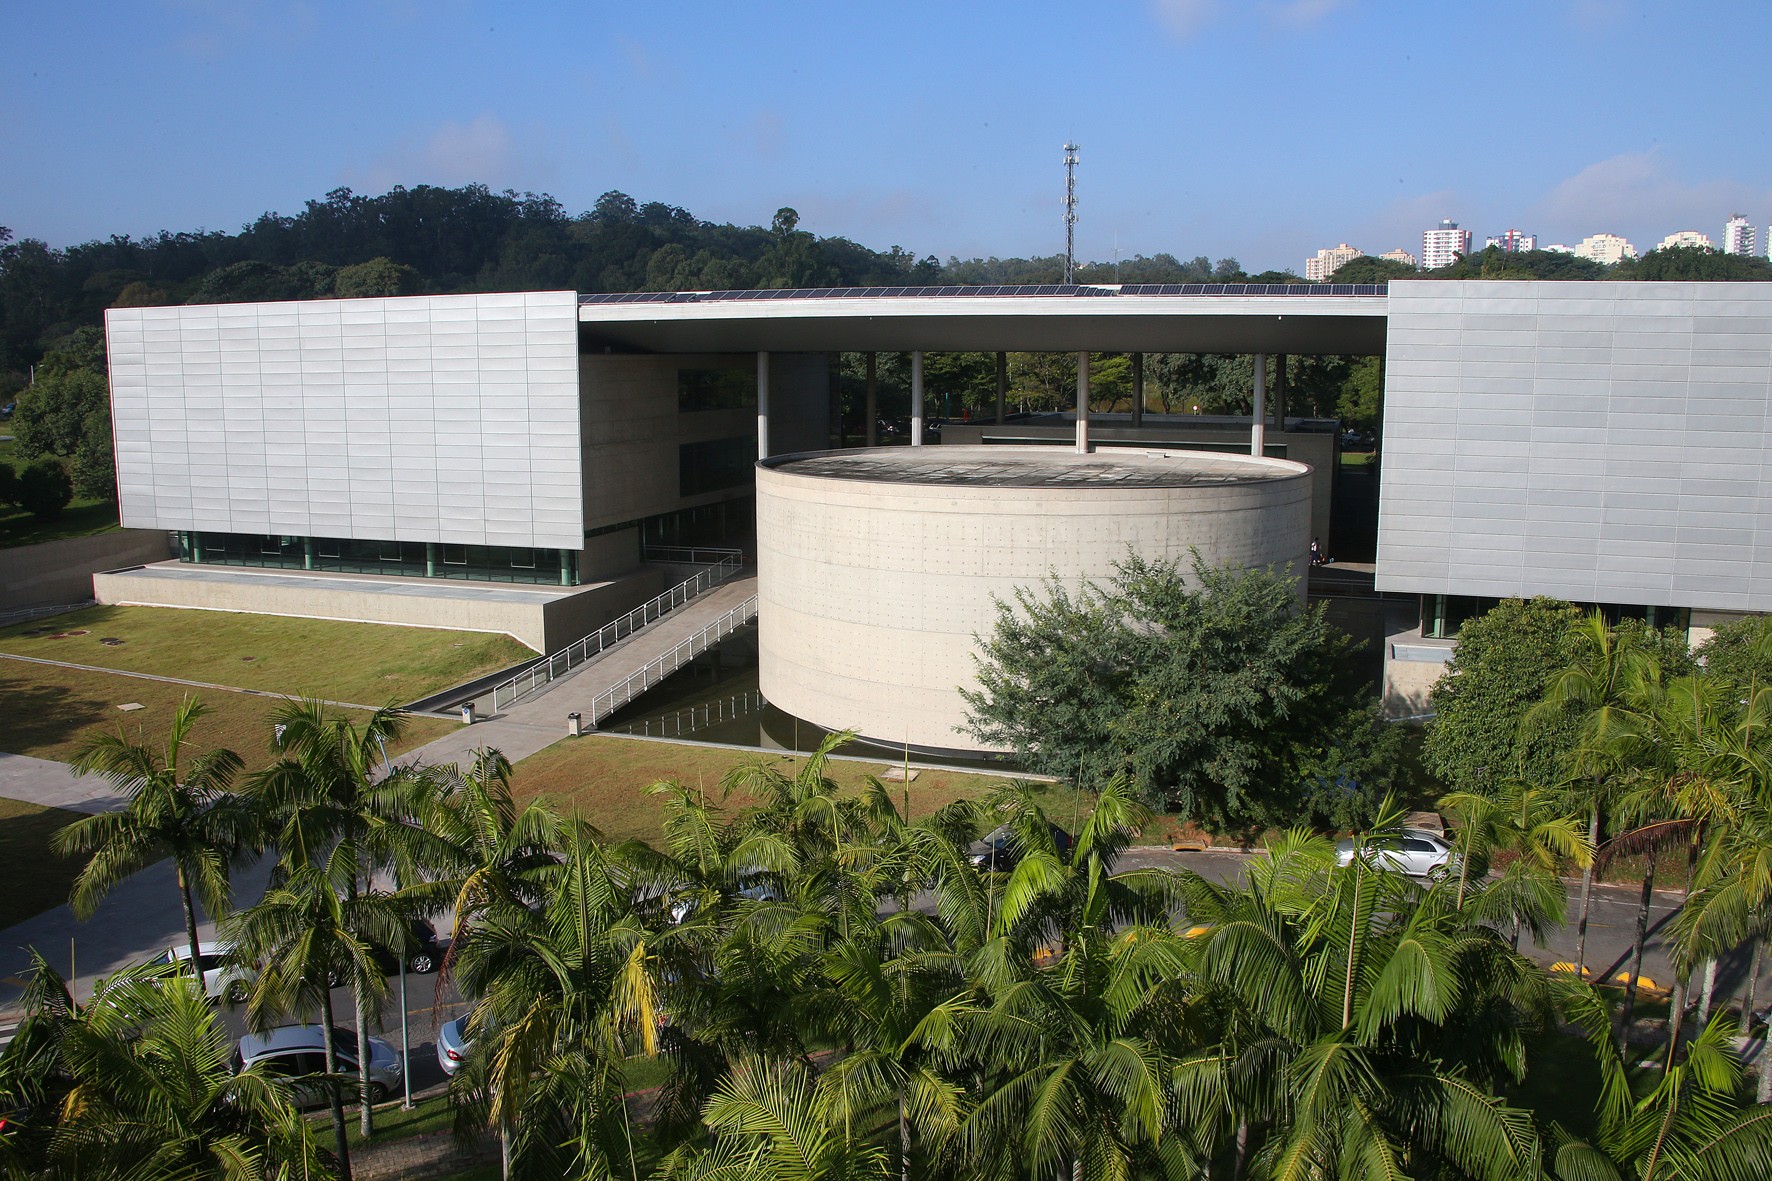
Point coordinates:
[(1010, 290)]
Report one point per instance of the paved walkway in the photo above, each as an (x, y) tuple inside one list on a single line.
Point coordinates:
[(539, 720), (55, 785)]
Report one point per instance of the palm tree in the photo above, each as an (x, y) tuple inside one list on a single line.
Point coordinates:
[(1686, 780), (565, 991), (1607, 674), (307, 931), (186, 813), (1369, 1016), (323, 801), (136, 1083), (1074, 1031), (773, 1121), (498, 854), (1686, 1124), (1529, 823)]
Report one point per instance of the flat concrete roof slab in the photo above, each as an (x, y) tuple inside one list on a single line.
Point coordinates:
[(420, 588), (1035, 467)]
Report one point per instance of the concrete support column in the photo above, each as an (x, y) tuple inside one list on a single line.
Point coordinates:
[(1002, 385), (1083, 403), (1137, 390), (307, 553), (917, 398), (1258, 422), (873, 400), (430, 559), (1280, 393), (762, 405)]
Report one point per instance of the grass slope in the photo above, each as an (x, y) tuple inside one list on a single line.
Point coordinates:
[(604, 779), (366, 663), (52, 712)]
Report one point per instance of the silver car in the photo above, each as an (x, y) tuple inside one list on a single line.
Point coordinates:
[(224, 978), (453, 1044), (1414, 851), (299, 1051)]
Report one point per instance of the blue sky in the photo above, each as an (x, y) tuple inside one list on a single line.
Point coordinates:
[(1259, 129)]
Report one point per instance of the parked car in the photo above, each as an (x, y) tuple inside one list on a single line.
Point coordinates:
[(1000, 850), (299, 1051), (424, 955), (453, 1044), (223, 978), (1415, 851)]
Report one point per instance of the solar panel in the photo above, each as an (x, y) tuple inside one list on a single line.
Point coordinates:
[(1001, 290)]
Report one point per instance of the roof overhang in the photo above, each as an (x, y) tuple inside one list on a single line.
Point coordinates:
[(1105, 320)]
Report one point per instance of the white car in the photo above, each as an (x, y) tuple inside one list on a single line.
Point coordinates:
[(297, 1051), (1415, 851), (223, 978)]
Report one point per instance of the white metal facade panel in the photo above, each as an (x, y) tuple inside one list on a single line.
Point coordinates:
[(448, 418), (1601, 442)]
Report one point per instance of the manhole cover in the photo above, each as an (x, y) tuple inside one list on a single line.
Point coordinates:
[(248, 659), (110, 641), (69, 635), (130, 707)]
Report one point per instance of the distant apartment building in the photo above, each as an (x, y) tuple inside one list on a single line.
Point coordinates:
[(1441, 247), (1738, 235), (1329, 261), (1605, 249), (1685, 238), (1399, 255), (1512, 241)]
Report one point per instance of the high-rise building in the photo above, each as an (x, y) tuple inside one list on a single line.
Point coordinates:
[(1441, 247), (1399, 255), (1686, 238), (1330, 260), (1738, 235), (1512, 241), (1605, 248)]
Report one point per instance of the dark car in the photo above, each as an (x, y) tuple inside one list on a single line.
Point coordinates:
[(1001, 850), (424, 955)]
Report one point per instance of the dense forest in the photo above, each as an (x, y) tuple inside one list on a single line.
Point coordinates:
[(442, 240)]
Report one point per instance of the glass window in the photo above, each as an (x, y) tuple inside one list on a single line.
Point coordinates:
[(716, 465), (715, 389)]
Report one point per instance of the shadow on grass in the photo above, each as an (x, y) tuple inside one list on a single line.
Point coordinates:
[(41, 715)]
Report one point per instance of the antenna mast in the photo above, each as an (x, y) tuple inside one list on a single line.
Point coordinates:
[(1070, 213)]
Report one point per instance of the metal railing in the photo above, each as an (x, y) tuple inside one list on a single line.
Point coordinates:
[(690, 555), (29, 613), (610, 700), (558, 664)]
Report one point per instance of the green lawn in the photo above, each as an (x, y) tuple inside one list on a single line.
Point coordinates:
[(32, 879), (52, 712), (604, 780), (366, 663)]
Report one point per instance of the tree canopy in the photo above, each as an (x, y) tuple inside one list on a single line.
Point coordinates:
[(1211, 689)]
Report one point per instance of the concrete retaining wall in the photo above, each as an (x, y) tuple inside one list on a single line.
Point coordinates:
[(61, 571), (543, 620)]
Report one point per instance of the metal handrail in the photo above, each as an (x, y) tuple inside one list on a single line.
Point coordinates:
[(689, 554), (610, 700), (581, 651)]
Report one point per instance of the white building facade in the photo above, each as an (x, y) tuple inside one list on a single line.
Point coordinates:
[(1605, 249), (1687, 238), (1330, 260), (1441, 246), (1738, 235)]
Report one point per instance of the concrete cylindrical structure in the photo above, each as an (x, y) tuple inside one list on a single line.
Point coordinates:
[(877, 568)]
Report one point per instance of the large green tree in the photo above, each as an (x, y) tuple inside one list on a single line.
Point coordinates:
[(1207, 687)]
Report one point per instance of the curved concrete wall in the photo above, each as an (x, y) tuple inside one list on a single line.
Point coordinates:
[(872, 591)]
